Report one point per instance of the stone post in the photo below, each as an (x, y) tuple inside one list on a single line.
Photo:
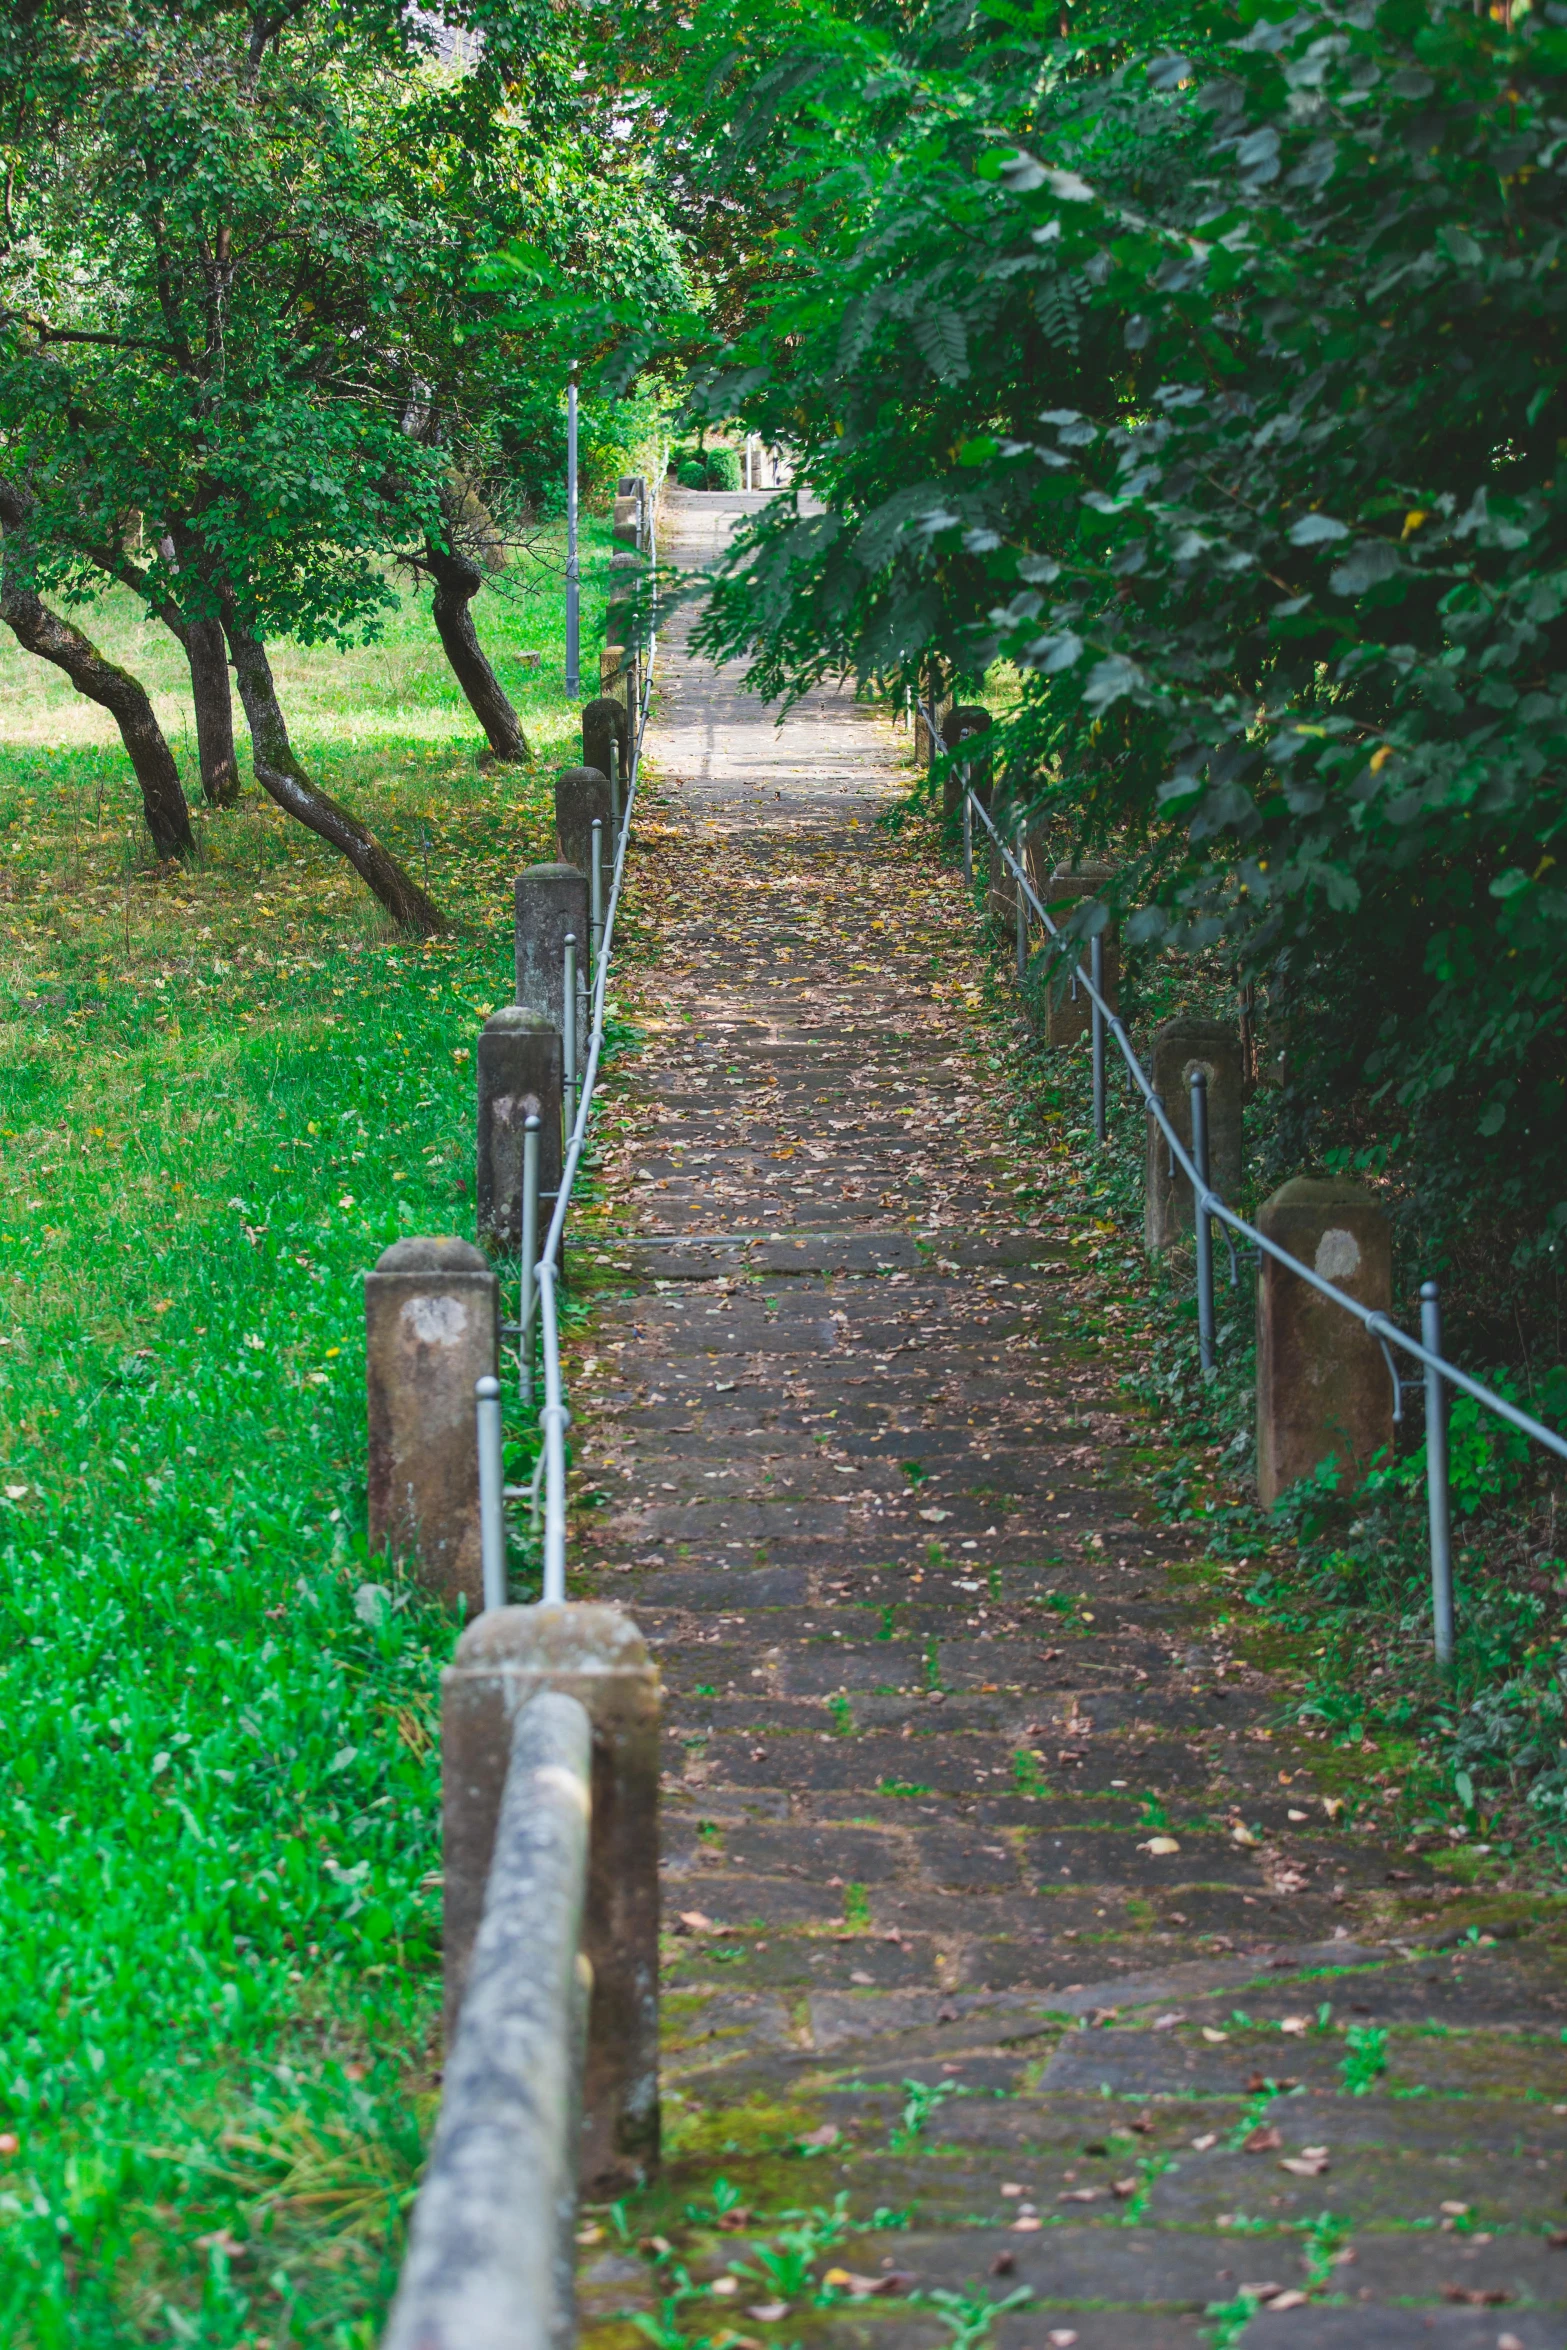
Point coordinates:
[(605, 722), (961, 724), (1322, 1384), (1179, 1047), (922, 740), (431, 1332), (519, 1078), (581, 793), (551, 900), (596, 1655), (1068, 1012)]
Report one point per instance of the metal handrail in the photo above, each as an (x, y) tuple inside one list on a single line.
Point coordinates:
[(555, 1417), (1207, 1202)]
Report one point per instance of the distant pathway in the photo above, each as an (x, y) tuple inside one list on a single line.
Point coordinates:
[(961, 1791)]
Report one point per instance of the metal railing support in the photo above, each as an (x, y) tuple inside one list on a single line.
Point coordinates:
[(1438, 1509), (1096, 965), (614, 788), (596, 897), (968, 832), (490, 2253), (528, 1231), (1202, 1228), (568, 1034), (492, 1517), (1022, 931)]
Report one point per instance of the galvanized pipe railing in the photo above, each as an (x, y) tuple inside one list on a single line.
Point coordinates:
[(1426, 1350), (539, 1301), (490, 2251)]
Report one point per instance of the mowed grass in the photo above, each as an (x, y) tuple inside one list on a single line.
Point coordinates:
[(223, 1091)]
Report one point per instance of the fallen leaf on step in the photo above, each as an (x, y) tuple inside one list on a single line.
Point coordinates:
[(1475, 2296), (1333, 1805), (1455, 2210), (1004, 2264), (1061, 2338), (1159, 1846), (1167, 2023), (769, 2312), (1122, 2188), (693, 1921), (1029, 2226), (863, 2288), (1290, 2300), (1211, 2034), (590, 2235), (1241, 1835), (1304, 2166), (1208, 2138), (1262, 2141), (724, 2285), (1265, 2292), (1011, 2187), (1073, 2195), (827, 2135), (935, 1517), (1508, 2342), (858, 1977)]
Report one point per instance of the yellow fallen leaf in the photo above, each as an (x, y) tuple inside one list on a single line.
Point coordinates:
[(1241, 1835), (1159, 1846), (1210, 2033)]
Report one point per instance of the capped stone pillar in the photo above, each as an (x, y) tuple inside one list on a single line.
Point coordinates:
[(1179, 1047), (1323, 1388), (964, 723), (431, 1332), (604, 722), (581, 793), (519, 1061), (595, 1654), (550, 901), (1068, 1012)]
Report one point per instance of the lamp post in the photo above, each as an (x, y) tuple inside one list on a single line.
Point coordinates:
[(573, 585)]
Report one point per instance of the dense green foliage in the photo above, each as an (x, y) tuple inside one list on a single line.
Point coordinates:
[(1216, 388)]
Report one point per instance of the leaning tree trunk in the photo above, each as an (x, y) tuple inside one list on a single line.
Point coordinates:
[(283, 779), (209, 685), (457, 582), (98, 680)]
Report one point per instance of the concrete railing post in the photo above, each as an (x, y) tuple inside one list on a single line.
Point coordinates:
[(1180, 1047), (552, 902), (519, 1062), (1323, 1388), (1068, 1009), (581, 794), (596, 1655), (432, 1312), (961, 725), (604, 723)]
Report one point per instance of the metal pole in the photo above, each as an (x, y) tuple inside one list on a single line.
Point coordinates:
[(568, 1036), (748, 465), (596, 899), (1436, 1477), (1096, 972), (573, 583), (492, 1519), (614, 785), (1204, 1229), (530, 1251), (554, 1420), (968, 831), (1022, 925)]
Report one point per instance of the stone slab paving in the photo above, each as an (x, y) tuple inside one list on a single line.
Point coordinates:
[(997, 1903)]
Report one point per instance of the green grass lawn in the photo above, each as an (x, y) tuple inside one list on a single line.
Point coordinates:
[(222, 1092)]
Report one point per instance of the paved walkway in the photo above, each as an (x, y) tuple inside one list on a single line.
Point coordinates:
[(994, 1900)]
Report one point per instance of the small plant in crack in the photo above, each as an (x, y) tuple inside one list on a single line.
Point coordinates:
[(1365, 2060), (915, 1471), (920, 2100), (1027, 1774), (968, 2317), (856, 1907)]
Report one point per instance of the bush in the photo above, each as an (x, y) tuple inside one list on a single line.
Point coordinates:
[(692, 475), (723, 469)]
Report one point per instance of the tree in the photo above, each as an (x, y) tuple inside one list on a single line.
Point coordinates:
[(1209, 374)]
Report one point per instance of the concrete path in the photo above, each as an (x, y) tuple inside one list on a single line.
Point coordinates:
[(996, 1904)]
